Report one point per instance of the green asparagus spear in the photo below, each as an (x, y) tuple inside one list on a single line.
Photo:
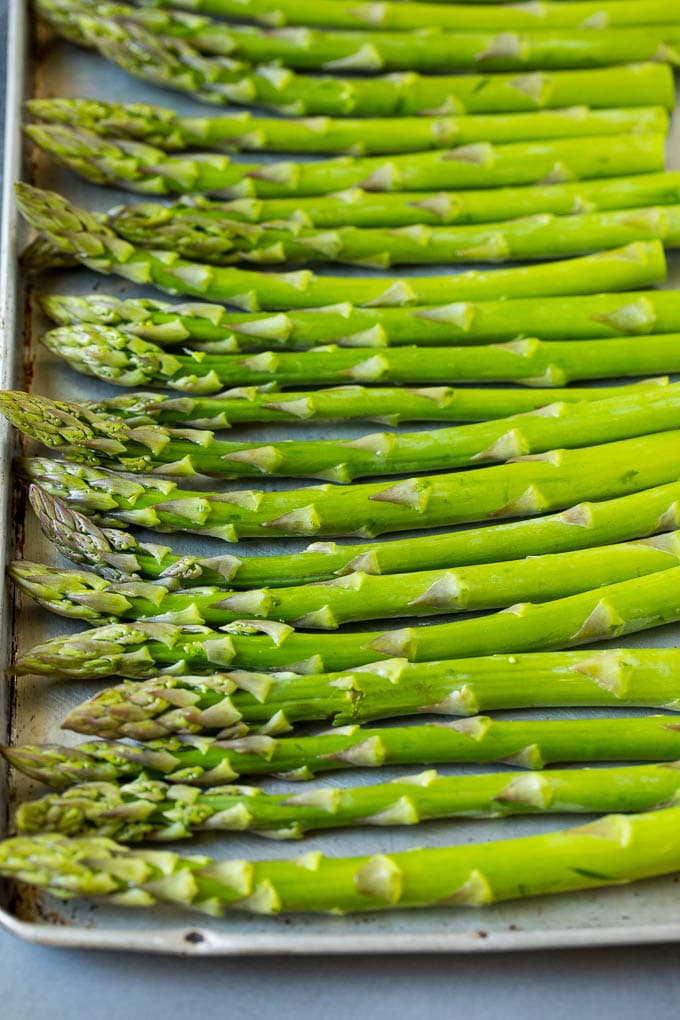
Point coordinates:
[(221, 231), (386, 406), (360, 208), (613, 850), (77, 232), (117, 555), (458, 323), (345, 14), (145, 648), (542, 236), (237, 703), (204, 761), (86, 437), (527, 486), (136, 166), (172, 63), (146, 809), (126, 360), (353, 598), (371, 50), (167, 129)]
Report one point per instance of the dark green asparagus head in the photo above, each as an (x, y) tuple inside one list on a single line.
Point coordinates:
[(65, 868), (122, 811), (96, 866), (111, 551), (119, 648), (58, 424), (111, 354), (48, 211)]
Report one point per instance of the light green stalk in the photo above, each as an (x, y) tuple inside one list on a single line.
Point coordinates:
[(613, 850), (542, 236), (388, 406), (362, 208), (529, 485), (86, 437), (205, 761), (146, 648), (146, 809), (172, 63), (117, 555), (77, 232), (345, 14), (355, 597), (143, 168), (236, 703), (219, 232), (124, 359), (459, 323), (372, 50), (167, 129)]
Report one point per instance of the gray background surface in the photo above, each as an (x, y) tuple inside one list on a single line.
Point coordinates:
[(38, 983)]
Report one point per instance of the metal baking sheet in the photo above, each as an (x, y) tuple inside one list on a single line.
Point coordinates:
[(31, 709)]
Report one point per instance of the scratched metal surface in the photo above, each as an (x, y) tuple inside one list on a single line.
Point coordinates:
[(32, 708)]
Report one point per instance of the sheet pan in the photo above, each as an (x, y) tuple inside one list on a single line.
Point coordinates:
[(30, 709)]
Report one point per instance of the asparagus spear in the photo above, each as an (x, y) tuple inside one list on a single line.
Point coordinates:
[(136, 166), (458, 323), (75, 231), (387, 406), (371, 50), (346, 14), (117, 555), (355, 597), (612, 850), (204, 761), (361, 208), (527, 486), (175, 64), (126, 360), (235, 703), (217, 231), (86, 437), (542, 236), (167, 129), (146, 809), (145, 648)]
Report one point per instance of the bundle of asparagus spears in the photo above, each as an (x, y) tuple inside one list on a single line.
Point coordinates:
[(218, 664)]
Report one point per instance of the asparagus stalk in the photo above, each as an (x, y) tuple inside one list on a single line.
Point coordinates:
[(361, 208), (126, 360), (209, 232), (166, 128), (458, 323), (386, 406), (117, 555), (77, 232), (205, 761), (219, 231), (86, 437), (147, 647), (137, 166), (527, 486), (613, 850), (355, 597), (172, 63), (542, 236), (236, 703), (147, 809), (345, 14), (371, 50)]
